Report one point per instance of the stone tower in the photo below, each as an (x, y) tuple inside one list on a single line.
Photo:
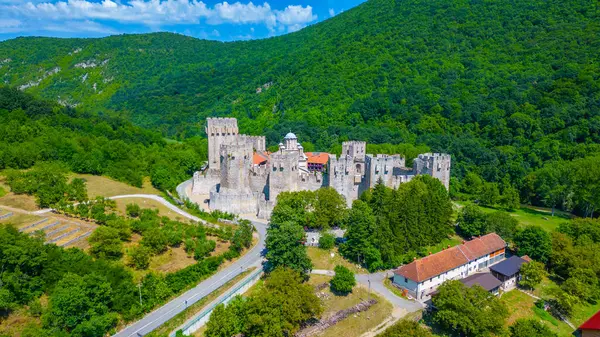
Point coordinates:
[(354, 149), (235, 162), (283, 175), (347, 174), (436, 165), (220, 131)]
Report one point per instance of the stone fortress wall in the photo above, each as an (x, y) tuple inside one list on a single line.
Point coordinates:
[(243, 178)]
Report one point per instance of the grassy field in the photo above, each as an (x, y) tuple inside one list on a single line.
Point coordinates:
[(19, 219), (107, 187), (96, 186), (528, 215), (182, 317), (322, 259), (521, 305), (18, 321), (21, 201), (354, 325), (581, 312), (148, 203)]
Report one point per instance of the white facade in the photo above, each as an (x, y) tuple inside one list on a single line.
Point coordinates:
[(422, 290)]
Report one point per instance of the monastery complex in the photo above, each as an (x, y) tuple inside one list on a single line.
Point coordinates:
[(243, 177)]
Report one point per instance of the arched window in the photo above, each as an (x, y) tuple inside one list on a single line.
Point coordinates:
[(358, 169)]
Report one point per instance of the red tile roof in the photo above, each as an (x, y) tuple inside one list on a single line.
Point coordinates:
[(317, 157), (448, 259), (592, 324), (260, 158)]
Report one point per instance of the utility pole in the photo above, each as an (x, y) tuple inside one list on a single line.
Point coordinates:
[(140, 289)]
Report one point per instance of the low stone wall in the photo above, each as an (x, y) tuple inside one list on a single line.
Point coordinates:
[(323, 324), (232, 201), (204, 182)]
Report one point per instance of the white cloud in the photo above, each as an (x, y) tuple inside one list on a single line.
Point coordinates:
[(215, 33), (160, 12), (78, 27), (9, 23), (331, 12), (294, 15)]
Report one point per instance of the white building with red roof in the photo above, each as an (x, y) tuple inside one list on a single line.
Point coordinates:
[(422, 277)]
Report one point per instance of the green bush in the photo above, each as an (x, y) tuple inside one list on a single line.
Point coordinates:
[(343, 281), (326, 241), (139, 257)]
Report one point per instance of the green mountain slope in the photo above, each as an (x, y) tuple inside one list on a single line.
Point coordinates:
[(502, 85)]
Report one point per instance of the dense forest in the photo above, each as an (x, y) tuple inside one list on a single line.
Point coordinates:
[(33, 131), (503, 86)]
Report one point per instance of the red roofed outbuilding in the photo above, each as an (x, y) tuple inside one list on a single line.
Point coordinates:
[(317, 161), (591, 328), (421, 277)]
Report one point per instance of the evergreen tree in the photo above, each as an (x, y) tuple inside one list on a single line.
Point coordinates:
[(361, 224)]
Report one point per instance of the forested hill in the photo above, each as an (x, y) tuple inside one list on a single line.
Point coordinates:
[(502, 85)]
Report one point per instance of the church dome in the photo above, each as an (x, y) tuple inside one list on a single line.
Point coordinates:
[(290, 136)]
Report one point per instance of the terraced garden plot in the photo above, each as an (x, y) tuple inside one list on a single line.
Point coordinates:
[(61, 232), (19, 219)]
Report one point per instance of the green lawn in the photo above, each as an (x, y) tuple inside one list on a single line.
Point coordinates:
[(521, 305), (323, 259), (354, 325), (528, 215), (581, 312)]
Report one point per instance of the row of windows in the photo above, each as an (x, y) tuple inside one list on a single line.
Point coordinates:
[(281, 169), (223, 134)]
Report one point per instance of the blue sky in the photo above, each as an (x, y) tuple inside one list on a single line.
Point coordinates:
[(206, 19)]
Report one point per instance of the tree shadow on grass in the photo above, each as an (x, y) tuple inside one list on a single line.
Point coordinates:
[(339, 293), (557, 214)]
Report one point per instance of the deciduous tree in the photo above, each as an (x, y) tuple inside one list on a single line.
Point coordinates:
[(535, 242), (532, 274), (469, 311), (343, 281), (285, 248)]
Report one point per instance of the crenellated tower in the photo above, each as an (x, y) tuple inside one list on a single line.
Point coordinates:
[(436, 165), (283, 175), (220, 131), (235, 162)]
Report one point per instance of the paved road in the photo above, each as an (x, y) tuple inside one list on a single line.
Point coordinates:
[(158, 317), (378, 287), (162, 201)]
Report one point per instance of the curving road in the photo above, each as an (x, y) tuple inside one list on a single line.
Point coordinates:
[(153, 320), (253, 258), (162, 201)]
